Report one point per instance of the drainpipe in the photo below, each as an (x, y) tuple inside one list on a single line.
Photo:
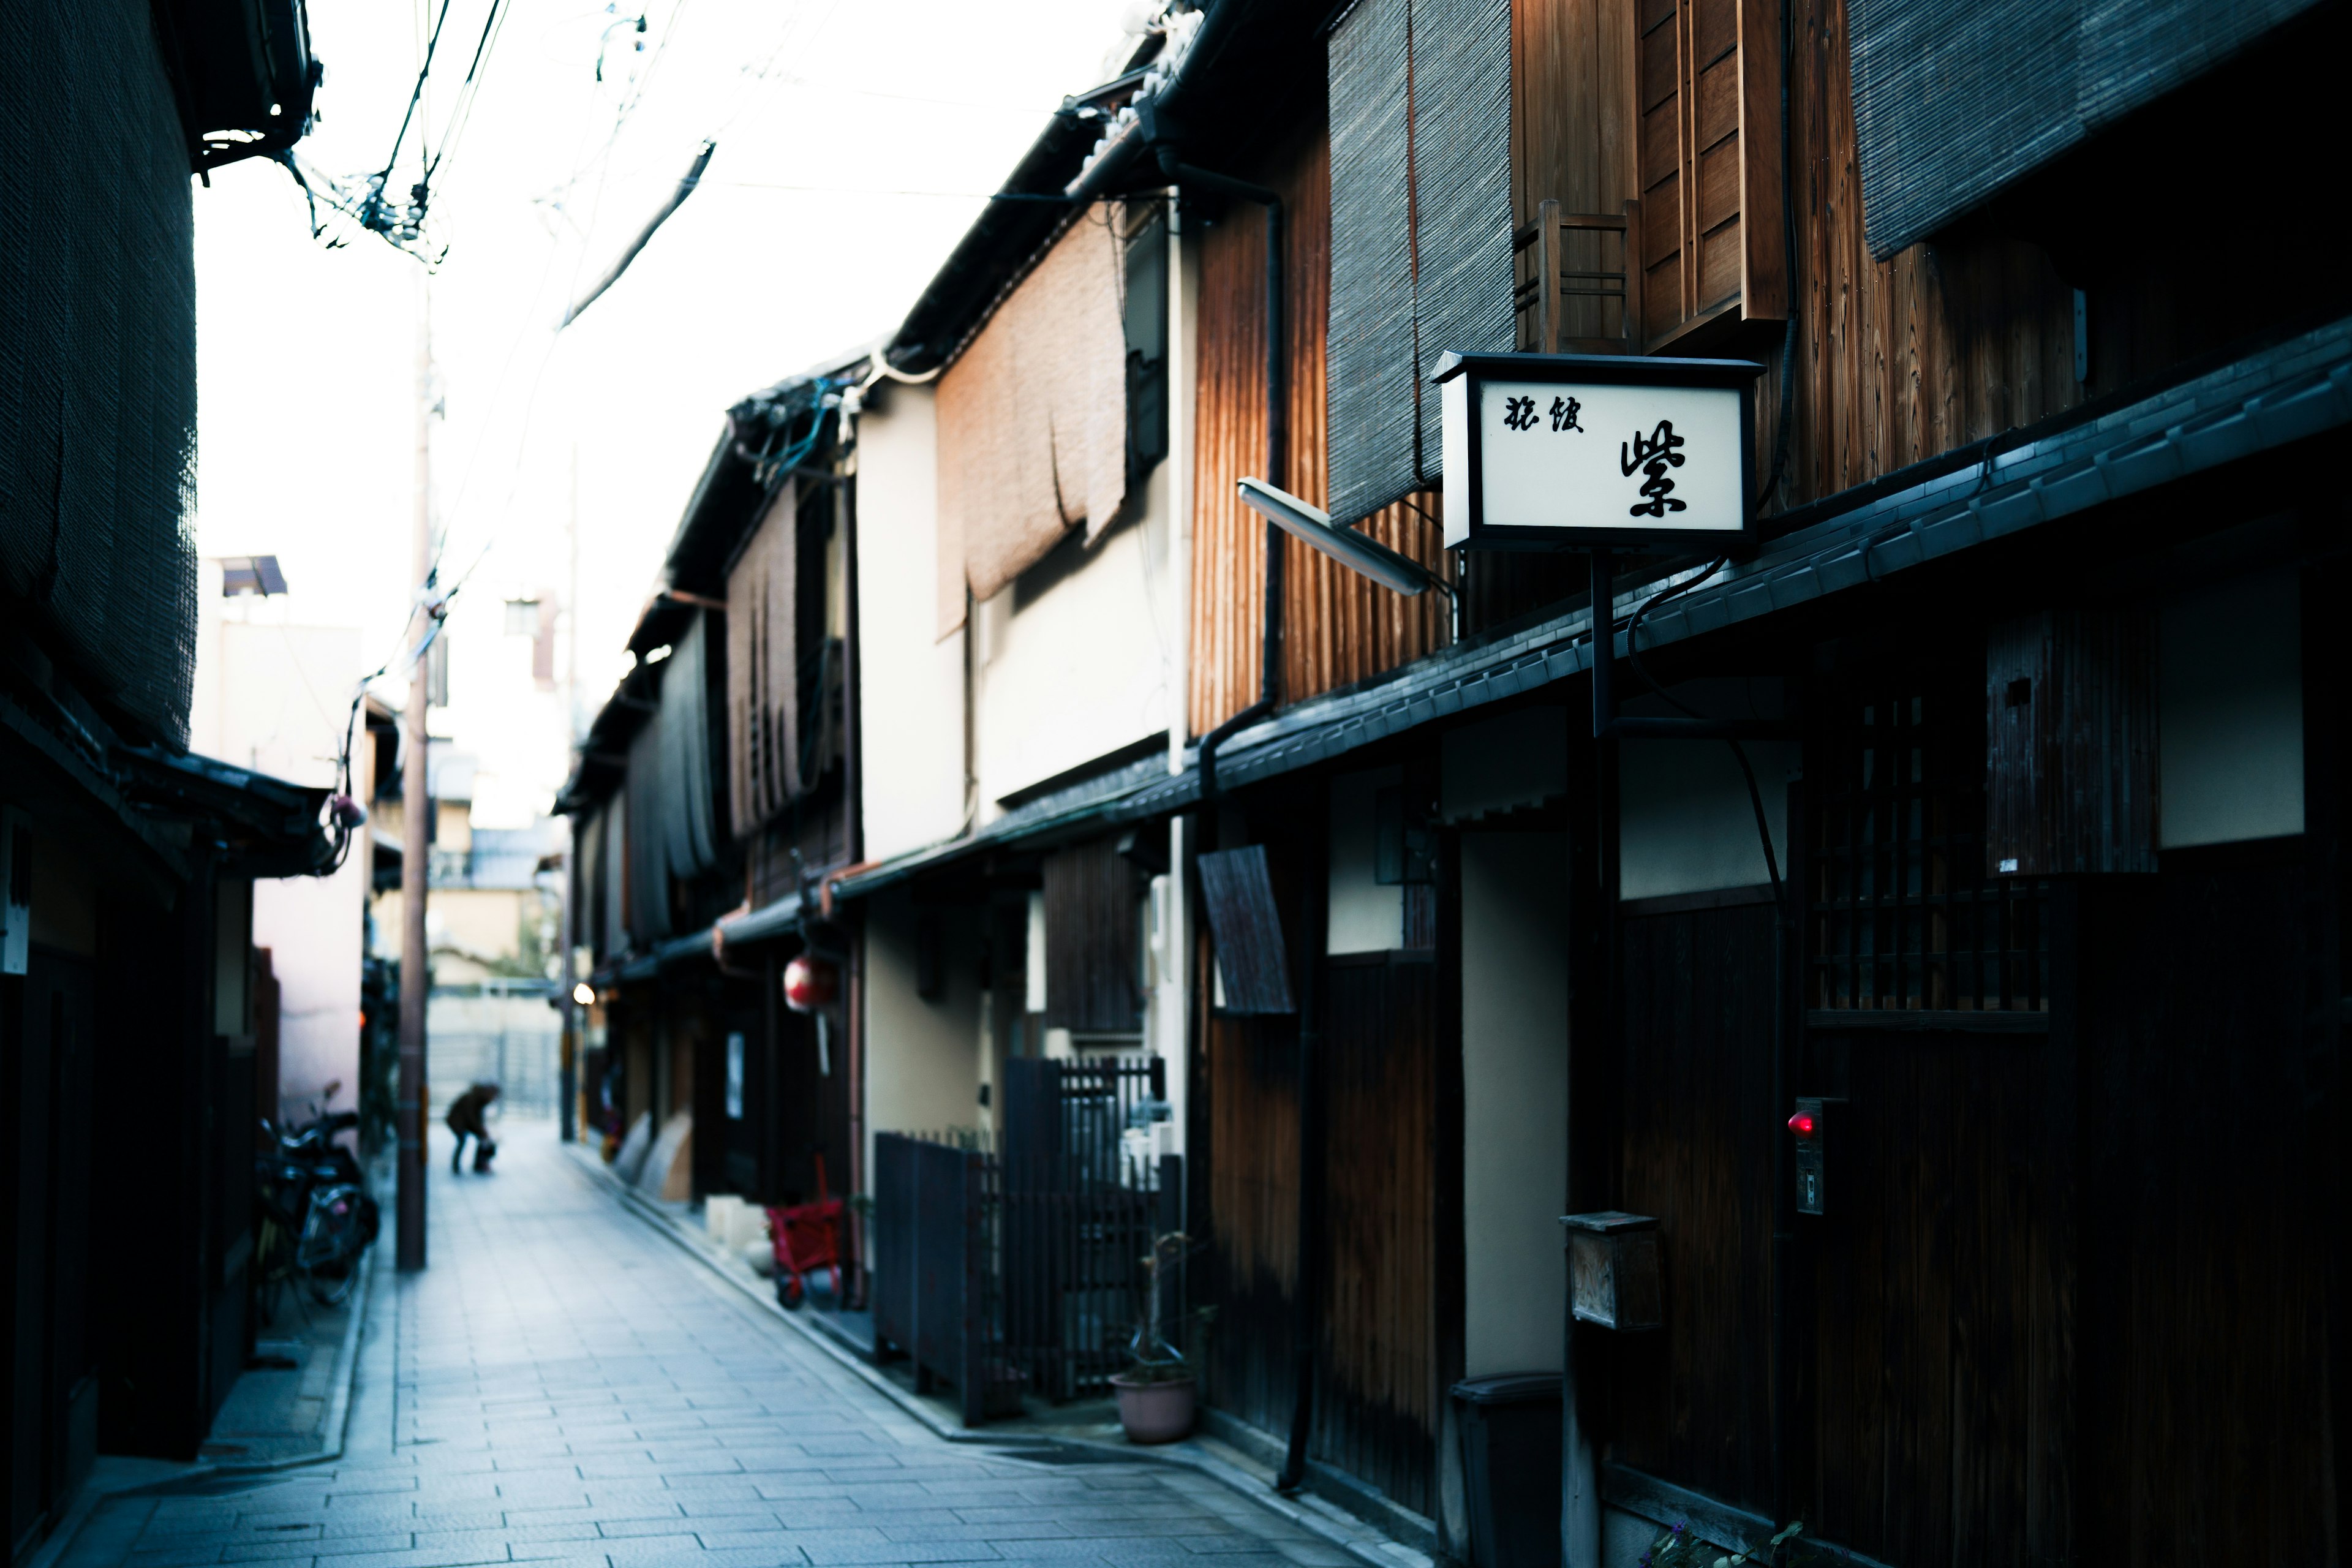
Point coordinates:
[(1306, 1299), (1277, 406)]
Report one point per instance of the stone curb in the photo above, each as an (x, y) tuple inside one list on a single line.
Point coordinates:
[(333, 1430)]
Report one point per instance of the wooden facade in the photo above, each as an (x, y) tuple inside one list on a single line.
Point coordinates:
[(1898, 360), (1338, 626), (1385, 1202), (1246, 1175), (1379, 1399)]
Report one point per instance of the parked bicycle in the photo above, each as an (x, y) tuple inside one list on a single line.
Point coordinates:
[(314, 1218)]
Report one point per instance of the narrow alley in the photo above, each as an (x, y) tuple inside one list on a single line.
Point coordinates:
[(560, 1385)]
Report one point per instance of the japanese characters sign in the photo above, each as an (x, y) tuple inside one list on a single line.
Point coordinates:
[(1551, 451)]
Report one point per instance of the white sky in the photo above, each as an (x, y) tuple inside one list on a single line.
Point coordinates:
[(307, 355)]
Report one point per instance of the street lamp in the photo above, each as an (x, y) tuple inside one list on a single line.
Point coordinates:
[(1351, 549)]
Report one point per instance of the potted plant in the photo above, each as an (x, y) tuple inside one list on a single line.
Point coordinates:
[(1155, 1395), (1679, 1547)]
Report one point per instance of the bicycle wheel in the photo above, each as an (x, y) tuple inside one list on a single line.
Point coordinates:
[(331, 1284)]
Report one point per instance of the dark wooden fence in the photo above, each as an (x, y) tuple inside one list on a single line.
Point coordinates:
[(1021, 1267), (930, 1255)]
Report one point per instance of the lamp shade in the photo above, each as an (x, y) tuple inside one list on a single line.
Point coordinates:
[(810, 983)]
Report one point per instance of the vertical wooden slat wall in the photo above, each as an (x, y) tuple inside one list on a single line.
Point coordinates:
[(1573, 128), (1249, 1070), (1379, 1396), (1338, 626), (1571, 115), (1939, 345)]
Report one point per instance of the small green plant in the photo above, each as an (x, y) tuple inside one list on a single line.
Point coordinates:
[(1679, 1548)]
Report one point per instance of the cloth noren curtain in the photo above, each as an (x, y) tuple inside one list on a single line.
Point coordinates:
[(689, 806), (671, 810), (763, 733), (1032, 420)]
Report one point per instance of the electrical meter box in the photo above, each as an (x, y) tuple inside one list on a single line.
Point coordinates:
[(1810, 1127)]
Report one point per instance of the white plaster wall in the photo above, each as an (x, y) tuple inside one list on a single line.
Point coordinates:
[(2230, 719), (1082, 669), (274, 697), (1364, 916), (912, 678), (922, 1057), (1513, 1100), (1687, 823)]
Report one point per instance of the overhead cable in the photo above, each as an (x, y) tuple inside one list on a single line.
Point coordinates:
[(629, 252)]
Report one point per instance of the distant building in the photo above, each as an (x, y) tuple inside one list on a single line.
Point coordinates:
[(493, 926)]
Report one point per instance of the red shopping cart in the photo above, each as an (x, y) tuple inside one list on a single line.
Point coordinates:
[(808, 1237)]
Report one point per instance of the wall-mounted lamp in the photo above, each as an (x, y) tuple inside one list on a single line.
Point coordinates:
[(1352, 550), (583, 994)]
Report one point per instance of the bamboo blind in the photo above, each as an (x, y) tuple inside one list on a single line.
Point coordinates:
[(1338, 627), (1032, 420)]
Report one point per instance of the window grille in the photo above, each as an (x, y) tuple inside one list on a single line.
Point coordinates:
[(1902, 914)]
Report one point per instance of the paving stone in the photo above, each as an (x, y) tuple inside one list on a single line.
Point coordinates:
[(558, 1387)]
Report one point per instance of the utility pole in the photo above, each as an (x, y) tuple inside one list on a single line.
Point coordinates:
[(415, 839), (568, 1083)]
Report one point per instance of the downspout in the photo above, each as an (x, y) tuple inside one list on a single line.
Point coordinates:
[(1277, 406), (1307, 1296), (854, 831)]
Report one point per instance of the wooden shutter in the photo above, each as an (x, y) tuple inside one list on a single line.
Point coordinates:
[(1237, 890), (1094, 939), (1708, 148)]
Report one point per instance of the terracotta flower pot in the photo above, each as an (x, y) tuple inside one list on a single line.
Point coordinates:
[(1153, 1411)]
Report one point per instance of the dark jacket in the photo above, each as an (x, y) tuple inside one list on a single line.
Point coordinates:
[(466, 1111)]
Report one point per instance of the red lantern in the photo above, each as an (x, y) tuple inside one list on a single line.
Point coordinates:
[(811, 982)]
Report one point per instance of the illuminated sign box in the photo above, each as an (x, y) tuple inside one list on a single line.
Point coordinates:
[(1598, 451)]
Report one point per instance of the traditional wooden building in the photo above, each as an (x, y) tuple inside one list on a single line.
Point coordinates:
[(2019, 895), (132, 1004), (712, 796)]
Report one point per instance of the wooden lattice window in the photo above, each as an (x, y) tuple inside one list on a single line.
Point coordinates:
[(1902, 913)]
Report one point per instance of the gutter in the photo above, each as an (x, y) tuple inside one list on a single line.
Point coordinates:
[(782, 918)]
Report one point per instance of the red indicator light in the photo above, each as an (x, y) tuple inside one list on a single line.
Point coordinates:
[(1803, 1125)]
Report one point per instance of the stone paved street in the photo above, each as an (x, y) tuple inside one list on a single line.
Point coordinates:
[(564, 1385)]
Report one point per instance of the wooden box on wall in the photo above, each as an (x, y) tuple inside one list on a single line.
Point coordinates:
[(1613, 1270), (2070, 743)]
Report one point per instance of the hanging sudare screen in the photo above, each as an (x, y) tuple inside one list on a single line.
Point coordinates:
[(1596, 451)]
